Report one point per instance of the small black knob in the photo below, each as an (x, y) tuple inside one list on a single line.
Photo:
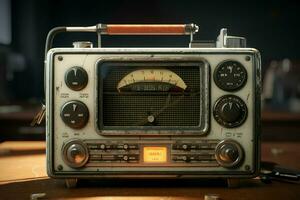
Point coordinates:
[(186, 158), (102, 146), (185, 147), (230, 111), (76, 78), (229, 153), (125, 146), (125, 157), (75, 114)]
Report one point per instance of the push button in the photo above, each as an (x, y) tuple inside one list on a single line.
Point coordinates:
[(125, 158), (184, 158), (185, 147), (102, 146), (181, 146), (125, 146)]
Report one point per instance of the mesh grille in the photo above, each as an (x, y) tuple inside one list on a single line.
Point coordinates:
[(133, 109)]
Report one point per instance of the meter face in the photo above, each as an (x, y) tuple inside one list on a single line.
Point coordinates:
[(156, 95)]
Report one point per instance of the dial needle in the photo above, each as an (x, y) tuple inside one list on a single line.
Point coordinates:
[(168, 104)]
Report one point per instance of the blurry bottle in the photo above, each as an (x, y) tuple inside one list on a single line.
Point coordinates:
[(294, 101), (277, 85), (268, 84), (280, 98)]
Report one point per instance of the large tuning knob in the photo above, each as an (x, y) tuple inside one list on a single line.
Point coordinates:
[(230, 111), (229, 153), (75, 153)]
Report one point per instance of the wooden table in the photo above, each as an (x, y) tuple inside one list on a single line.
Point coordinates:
[(22, 173), (280, 126)]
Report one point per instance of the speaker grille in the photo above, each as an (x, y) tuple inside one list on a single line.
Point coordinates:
[(133, 108)]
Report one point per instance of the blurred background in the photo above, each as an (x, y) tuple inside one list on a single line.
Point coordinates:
[(270, 26)]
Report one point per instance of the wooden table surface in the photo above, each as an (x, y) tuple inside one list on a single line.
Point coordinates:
[(22, 173)]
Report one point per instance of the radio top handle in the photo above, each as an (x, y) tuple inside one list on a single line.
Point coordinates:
[(126, 29), (148, 29)]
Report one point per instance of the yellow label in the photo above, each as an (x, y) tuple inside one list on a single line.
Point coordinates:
[(155, 154)]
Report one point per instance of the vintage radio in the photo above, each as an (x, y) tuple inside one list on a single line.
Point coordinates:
[(152, 112)]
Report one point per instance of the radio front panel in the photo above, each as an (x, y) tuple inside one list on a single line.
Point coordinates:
[(152, 111), (163, 94)]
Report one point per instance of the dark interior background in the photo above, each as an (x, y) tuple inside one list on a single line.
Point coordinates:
[(270, 26)]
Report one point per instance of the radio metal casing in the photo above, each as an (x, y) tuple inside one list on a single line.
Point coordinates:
[(60, 60)]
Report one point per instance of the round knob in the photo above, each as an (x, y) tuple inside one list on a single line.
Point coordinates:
[(75, 114), (185, 158), (230, 111), (185, 146), (230, 75), (125, 158), (76, 78), (75, 153), (229, 153)]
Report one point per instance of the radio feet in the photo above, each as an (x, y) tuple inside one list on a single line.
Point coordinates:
[(233, 182), (71, 182)]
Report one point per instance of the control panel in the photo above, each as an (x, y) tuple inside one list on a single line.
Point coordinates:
[(211, 153)]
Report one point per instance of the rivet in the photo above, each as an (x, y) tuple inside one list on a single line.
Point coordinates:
[(247, 167), (60, 167)]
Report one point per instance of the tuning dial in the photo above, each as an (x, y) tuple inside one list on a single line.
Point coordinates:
[(229, 153), (230, 111), (75, 153), (76, 78), (75, 114)]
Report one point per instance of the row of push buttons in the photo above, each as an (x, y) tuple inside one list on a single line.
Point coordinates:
[(105, 157), (194, 146), (113, 146), (189, 158)]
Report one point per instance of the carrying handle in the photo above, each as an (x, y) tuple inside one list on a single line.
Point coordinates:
[(118, 29), (149, 29), (126, 29)]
